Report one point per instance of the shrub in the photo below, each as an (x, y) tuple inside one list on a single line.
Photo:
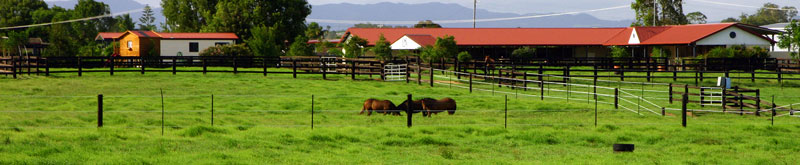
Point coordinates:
[(464, 56), (227, 50), (659, 52), (737, 51), (523, 53), (300, 47), (620, 52)]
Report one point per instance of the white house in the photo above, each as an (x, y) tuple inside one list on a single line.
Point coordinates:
[(190, 44)]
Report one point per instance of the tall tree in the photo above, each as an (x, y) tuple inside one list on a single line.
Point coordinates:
[(427, 24), (354, 46), (124, 23), (446, 46), (791, 39), (18, 12), (188, 15), (147, 21), (382, 49), (768, 14), (263, 42), (314, 31), (658, 12), (696, 17), (300, 47)]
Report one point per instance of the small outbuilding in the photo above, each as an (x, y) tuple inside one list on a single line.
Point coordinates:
[(150, 43)]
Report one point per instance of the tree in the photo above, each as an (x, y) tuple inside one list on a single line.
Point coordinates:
[(18, 12), (382, 49), (446, 46), (696, 17), (188, 15), (147, 21), (239, 16), (354, 46), (124, 23), (620, 52), (314, 31), (664, 12), (263, 42), (464, 56), (429, 54), (427, 24), (300, 47), (791, 39), (768, 14), (523, 53)]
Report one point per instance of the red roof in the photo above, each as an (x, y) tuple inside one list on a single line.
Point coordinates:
[(497, 36), (167, 36), (422, 39), (109, 35), (221, 36), (662, 35)]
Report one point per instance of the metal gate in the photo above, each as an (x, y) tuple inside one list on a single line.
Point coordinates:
[(394, 72)]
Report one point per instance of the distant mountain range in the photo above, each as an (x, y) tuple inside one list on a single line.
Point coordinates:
[(117, 6), (398, 12), (440, 11)]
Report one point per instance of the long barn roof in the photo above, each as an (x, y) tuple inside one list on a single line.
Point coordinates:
[(660, 35)]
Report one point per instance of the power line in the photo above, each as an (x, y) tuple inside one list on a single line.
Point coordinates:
[(740, 5), (463, 20), (73, 20)]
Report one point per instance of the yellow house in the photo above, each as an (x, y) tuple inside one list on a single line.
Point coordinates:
[(139, 43)]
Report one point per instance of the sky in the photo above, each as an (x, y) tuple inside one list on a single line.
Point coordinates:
[(715, 12)]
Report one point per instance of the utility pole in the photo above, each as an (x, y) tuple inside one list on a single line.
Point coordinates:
[(655, 12), (474, 12)]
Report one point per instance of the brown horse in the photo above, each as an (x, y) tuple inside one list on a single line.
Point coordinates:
[(379, 106), (416, 106), (435, 106)]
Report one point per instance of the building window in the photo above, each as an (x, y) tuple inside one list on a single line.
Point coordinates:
[(193, 47), (130, 45), (221, 43)]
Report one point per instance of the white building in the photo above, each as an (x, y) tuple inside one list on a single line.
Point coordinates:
[(191, 44)]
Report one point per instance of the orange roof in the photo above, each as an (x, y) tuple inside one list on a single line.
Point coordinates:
[(662, 35), (167, 36), (109, 35), (222, 36), (422, 39)]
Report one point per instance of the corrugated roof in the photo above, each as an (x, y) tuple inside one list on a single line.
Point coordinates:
[(422, 39), (109, 35), (498, 36), (224, 36), (662, 35), (145, 34)]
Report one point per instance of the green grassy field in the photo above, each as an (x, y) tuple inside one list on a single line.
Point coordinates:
[(260, 120)]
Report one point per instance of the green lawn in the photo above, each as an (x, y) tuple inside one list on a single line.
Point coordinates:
[(259, 120)]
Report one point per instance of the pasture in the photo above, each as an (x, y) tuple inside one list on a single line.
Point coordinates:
[(260, 120)]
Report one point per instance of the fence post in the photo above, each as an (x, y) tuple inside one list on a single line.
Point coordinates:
[(141, 62), (419, 71), (541, 90), (670, 93), (294, 67), (541, 67), (99, 110), (264, 65), (174, 65), (408, 111), (525, 83), (353, 70), (724, 100), (203, 60), (773, 110), (212, 109), (312, 112), (616, 98), (683, 109), (595, 109), (325, 69), (408, 75), (431, 73), (46, 67), (80, 67), (162, 112), (505, 109), (758, 102), (470, 82), (663, 111), (111, 69), (13, 67)]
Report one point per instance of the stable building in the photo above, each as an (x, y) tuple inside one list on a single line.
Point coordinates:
[(682, 40), (150, 43)]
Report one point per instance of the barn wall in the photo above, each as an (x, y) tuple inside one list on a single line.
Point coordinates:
[(742, 38), (171, 47)]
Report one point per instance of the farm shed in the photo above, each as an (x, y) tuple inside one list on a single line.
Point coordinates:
[(682, 40), (142, 43)]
